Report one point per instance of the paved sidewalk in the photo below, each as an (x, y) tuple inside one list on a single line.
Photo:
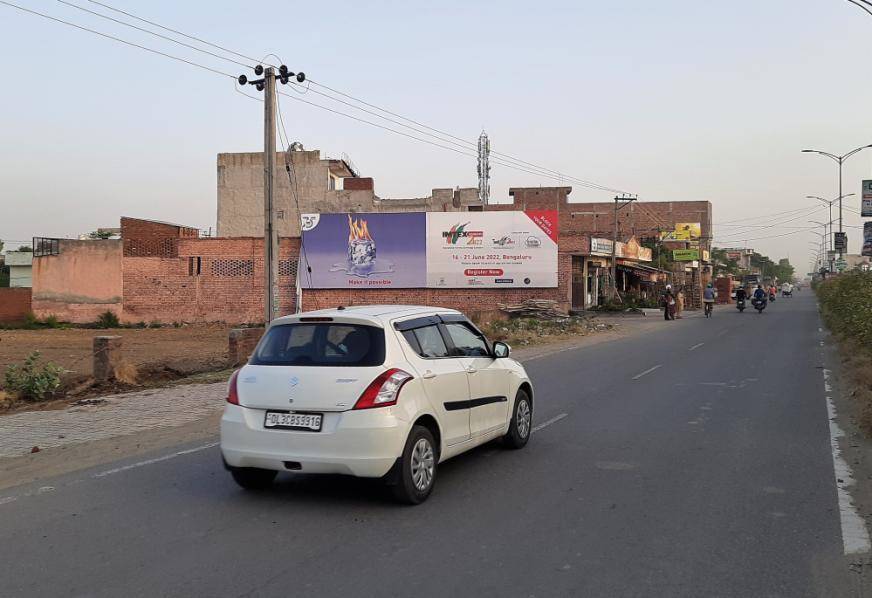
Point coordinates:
[(121, 415)]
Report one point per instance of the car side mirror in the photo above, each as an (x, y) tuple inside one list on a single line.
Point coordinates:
[(501, 350)]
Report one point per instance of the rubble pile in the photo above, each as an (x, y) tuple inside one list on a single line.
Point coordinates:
[(541, 309)]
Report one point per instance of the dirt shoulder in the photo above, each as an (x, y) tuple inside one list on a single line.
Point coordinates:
[(192, 348), (59, 460)]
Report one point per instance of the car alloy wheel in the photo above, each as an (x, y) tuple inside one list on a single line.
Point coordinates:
[(524, 418), (521, 425), (423, 464)]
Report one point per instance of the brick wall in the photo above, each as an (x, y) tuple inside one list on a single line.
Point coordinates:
[(221, 280), (149, 238), (14, 305), (211, 280)]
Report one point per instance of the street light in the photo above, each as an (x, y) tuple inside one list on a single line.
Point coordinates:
[(830, 203), (840, 160), (824, 224)]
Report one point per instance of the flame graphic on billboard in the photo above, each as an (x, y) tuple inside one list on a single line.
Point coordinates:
[(361, 246), (357, 230)]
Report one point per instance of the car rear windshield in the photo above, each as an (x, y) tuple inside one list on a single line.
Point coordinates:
[(322, 344)]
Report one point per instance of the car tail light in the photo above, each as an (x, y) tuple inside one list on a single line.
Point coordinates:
[(384, 390), (232, 392)]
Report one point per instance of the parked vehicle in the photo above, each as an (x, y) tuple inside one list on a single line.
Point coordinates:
[(372, 391)]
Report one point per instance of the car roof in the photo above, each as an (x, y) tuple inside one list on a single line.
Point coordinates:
[(383, 313)]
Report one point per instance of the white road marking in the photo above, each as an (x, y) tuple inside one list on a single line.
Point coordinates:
[(155, 460), (648, 371), (8, 499), (723, 332), (547, 423), (855, 536), (696, 346)]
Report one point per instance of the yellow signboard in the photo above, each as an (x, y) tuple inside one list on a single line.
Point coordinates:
[(685, 231)]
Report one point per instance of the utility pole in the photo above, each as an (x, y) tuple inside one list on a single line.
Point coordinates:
[(613, 283), (270, 233)]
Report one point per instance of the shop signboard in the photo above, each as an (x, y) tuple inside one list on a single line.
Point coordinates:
[(841, 242), (866, 199), (867, 239), (685, 255), (492, 249), (600, 246), (365, 250), (706, 256)]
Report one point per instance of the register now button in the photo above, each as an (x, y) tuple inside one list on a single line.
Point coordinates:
[(484, 272)]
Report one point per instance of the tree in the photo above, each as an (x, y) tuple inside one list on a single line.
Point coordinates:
[(1, 244), (25, 248), (100, 234), (723, 264)]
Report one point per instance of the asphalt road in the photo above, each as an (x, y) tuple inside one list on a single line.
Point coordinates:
[(691, 461)]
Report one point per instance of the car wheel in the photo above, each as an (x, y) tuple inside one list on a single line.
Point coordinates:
[(522, 422), (251, 478), (417, 468)]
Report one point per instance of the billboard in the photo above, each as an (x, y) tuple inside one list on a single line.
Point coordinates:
[(866, 199), (364, 250), (685, 255), (684, 231), (867, 239), (841, 242), (492, 249)]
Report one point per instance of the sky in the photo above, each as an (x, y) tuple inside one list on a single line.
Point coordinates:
[(673, 100)]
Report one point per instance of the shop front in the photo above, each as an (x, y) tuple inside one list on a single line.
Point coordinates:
[(633, 278)]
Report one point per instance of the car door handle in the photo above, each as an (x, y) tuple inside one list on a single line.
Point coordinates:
[(428, 375), (471, 370)]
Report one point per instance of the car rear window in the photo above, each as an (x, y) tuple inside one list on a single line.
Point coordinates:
[(322, 344)]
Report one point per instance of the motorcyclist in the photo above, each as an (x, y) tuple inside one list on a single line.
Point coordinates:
[(741, 295), (760, 294)]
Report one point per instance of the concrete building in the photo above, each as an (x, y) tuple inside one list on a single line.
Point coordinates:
[(316, 185), (20, 268)]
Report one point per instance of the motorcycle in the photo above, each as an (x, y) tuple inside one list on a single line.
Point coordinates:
[(740, 305), (759, 305), (772, 297)]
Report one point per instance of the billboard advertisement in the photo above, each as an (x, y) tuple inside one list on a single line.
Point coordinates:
[(866, 199), (364, 250), (492, 249), (867, 239), (841, 242), (684, 231), (685, 255)]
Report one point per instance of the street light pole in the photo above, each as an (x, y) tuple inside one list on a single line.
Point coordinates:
[(840, 160)]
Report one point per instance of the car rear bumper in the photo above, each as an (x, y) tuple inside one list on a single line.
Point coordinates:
[(362, 443)]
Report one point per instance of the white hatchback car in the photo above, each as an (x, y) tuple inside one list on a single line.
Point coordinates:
[(386, 391)]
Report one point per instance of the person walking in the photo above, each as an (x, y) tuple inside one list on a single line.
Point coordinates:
[(668, 303), (679, 302)]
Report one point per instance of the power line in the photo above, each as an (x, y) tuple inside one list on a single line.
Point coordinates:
[(794, 210), (175, 41), (465, 142), (117, 39), (410, 136)]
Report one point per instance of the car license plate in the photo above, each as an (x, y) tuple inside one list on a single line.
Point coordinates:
[(293, 421)]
